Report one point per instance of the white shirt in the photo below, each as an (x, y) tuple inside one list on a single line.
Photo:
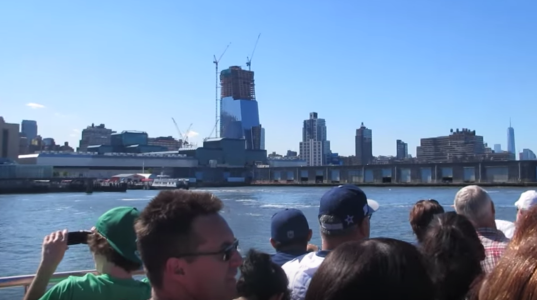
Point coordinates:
[(508, 228), (300, 270)]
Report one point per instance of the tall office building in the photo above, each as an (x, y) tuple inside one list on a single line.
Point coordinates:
[(314, 148), (9, 140), (402, 150), (511, 139), (29, 129), (239, 112), (94, 135), (363, 145), (527, 154), (497, 148)]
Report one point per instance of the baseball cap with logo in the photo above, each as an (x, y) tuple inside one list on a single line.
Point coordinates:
[(117, 227), (526, 200), (289, 225), (343, 207)]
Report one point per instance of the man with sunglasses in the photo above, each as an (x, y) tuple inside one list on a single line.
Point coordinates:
[(344, 215), (187, 247)]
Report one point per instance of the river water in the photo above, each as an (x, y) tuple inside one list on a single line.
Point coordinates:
[(26, 219)]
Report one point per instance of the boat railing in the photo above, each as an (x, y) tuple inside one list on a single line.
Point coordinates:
[(26, 280)]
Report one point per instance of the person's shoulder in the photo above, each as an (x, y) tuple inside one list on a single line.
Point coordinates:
[(297, 261)]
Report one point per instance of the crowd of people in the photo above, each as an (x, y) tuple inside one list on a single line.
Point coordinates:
[(188, 251)]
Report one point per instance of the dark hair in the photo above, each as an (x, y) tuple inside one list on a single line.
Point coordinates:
[(515, 275), (379, 268), (164, 229), (261, 278), (99, 245), (454, 253), (421, 215)]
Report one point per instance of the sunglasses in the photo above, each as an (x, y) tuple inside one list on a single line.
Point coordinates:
[(226, 253)]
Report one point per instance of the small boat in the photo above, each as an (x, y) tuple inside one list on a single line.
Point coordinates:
[(164, 182)]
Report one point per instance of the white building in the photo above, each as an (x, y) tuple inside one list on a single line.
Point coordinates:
[(77, 164), (314, 148)]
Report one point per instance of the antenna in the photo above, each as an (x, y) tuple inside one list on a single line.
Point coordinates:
[(216, 61), (249, 59)]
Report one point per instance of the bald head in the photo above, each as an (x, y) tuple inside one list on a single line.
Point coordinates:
[(474, 203)]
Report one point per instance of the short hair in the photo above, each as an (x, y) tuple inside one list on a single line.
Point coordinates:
[(261, 278), (474, 203), (378, 268), (421, 215), (164, 229), (99, 245)]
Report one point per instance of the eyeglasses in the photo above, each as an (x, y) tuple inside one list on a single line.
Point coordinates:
[(226, 253)]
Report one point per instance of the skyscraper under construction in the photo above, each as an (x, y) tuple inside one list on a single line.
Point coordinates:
[(239, 112)]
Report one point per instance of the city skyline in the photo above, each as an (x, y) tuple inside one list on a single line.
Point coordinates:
[(135, 70)]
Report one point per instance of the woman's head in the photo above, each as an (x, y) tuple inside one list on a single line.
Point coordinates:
[(454, 253), (421, 215), (379, 268), (261, 279), (515, 275)]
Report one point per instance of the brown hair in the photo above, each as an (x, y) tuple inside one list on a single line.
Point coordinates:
[(378, 268), (99, 245), (164, 229), (515, 275), (421, 215)]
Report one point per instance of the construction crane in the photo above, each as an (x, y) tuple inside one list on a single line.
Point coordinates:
[(216, 61), (183, 137), (249, 59)]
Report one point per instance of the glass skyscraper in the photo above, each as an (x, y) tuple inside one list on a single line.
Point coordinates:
[(239, 112), (29, 129), (511, 140)]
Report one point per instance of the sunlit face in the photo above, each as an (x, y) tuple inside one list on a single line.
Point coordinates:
[(213, 276)]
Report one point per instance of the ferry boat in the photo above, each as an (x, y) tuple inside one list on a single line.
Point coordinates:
[(164, 182)]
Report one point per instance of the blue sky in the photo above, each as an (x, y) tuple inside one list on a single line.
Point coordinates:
[(407, 69)]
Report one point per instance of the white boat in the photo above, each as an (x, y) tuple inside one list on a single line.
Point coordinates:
[(164, 182)]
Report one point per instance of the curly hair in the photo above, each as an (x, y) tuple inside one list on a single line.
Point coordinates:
[(99, 245), (261, 278)]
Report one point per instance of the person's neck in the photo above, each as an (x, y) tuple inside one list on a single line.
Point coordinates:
[(293, 249), (116, 272), (176, 293), (486, 224), (332, 242)]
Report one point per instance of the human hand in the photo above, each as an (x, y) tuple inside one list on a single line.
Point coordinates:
[(312, 248), (54, 247)]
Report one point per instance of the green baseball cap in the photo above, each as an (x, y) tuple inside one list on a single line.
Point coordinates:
[(117, 226)]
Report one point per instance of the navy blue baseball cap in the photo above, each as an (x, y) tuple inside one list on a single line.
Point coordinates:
[(289, 225), (344, 206)]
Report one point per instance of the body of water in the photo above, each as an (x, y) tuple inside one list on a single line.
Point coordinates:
[(26, 219)]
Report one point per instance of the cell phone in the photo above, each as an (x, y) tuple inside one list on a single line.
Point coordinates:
[(78, 237)]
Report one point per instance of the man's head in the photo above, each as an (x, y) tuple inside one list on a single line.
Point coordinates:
[(525, 202), (289, 229), (474, 203), (187, 247), (344, 213), (113, 239)]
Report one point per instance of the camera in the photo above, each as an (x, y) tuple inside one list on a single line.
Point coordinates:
[(78, 237)]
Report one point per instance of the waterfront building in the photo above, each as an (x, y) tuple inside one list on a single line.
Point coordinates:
[(402, 150), (94, 135), (527, 154), (239, 111), (9, 139), (128, 141), (497, 148), (168, 142), (363, 145), (460, 145), (29, 129), (315, 147)]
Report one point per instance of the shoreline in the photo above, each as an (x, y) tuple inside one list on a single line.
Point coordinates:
[(410, 185)]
